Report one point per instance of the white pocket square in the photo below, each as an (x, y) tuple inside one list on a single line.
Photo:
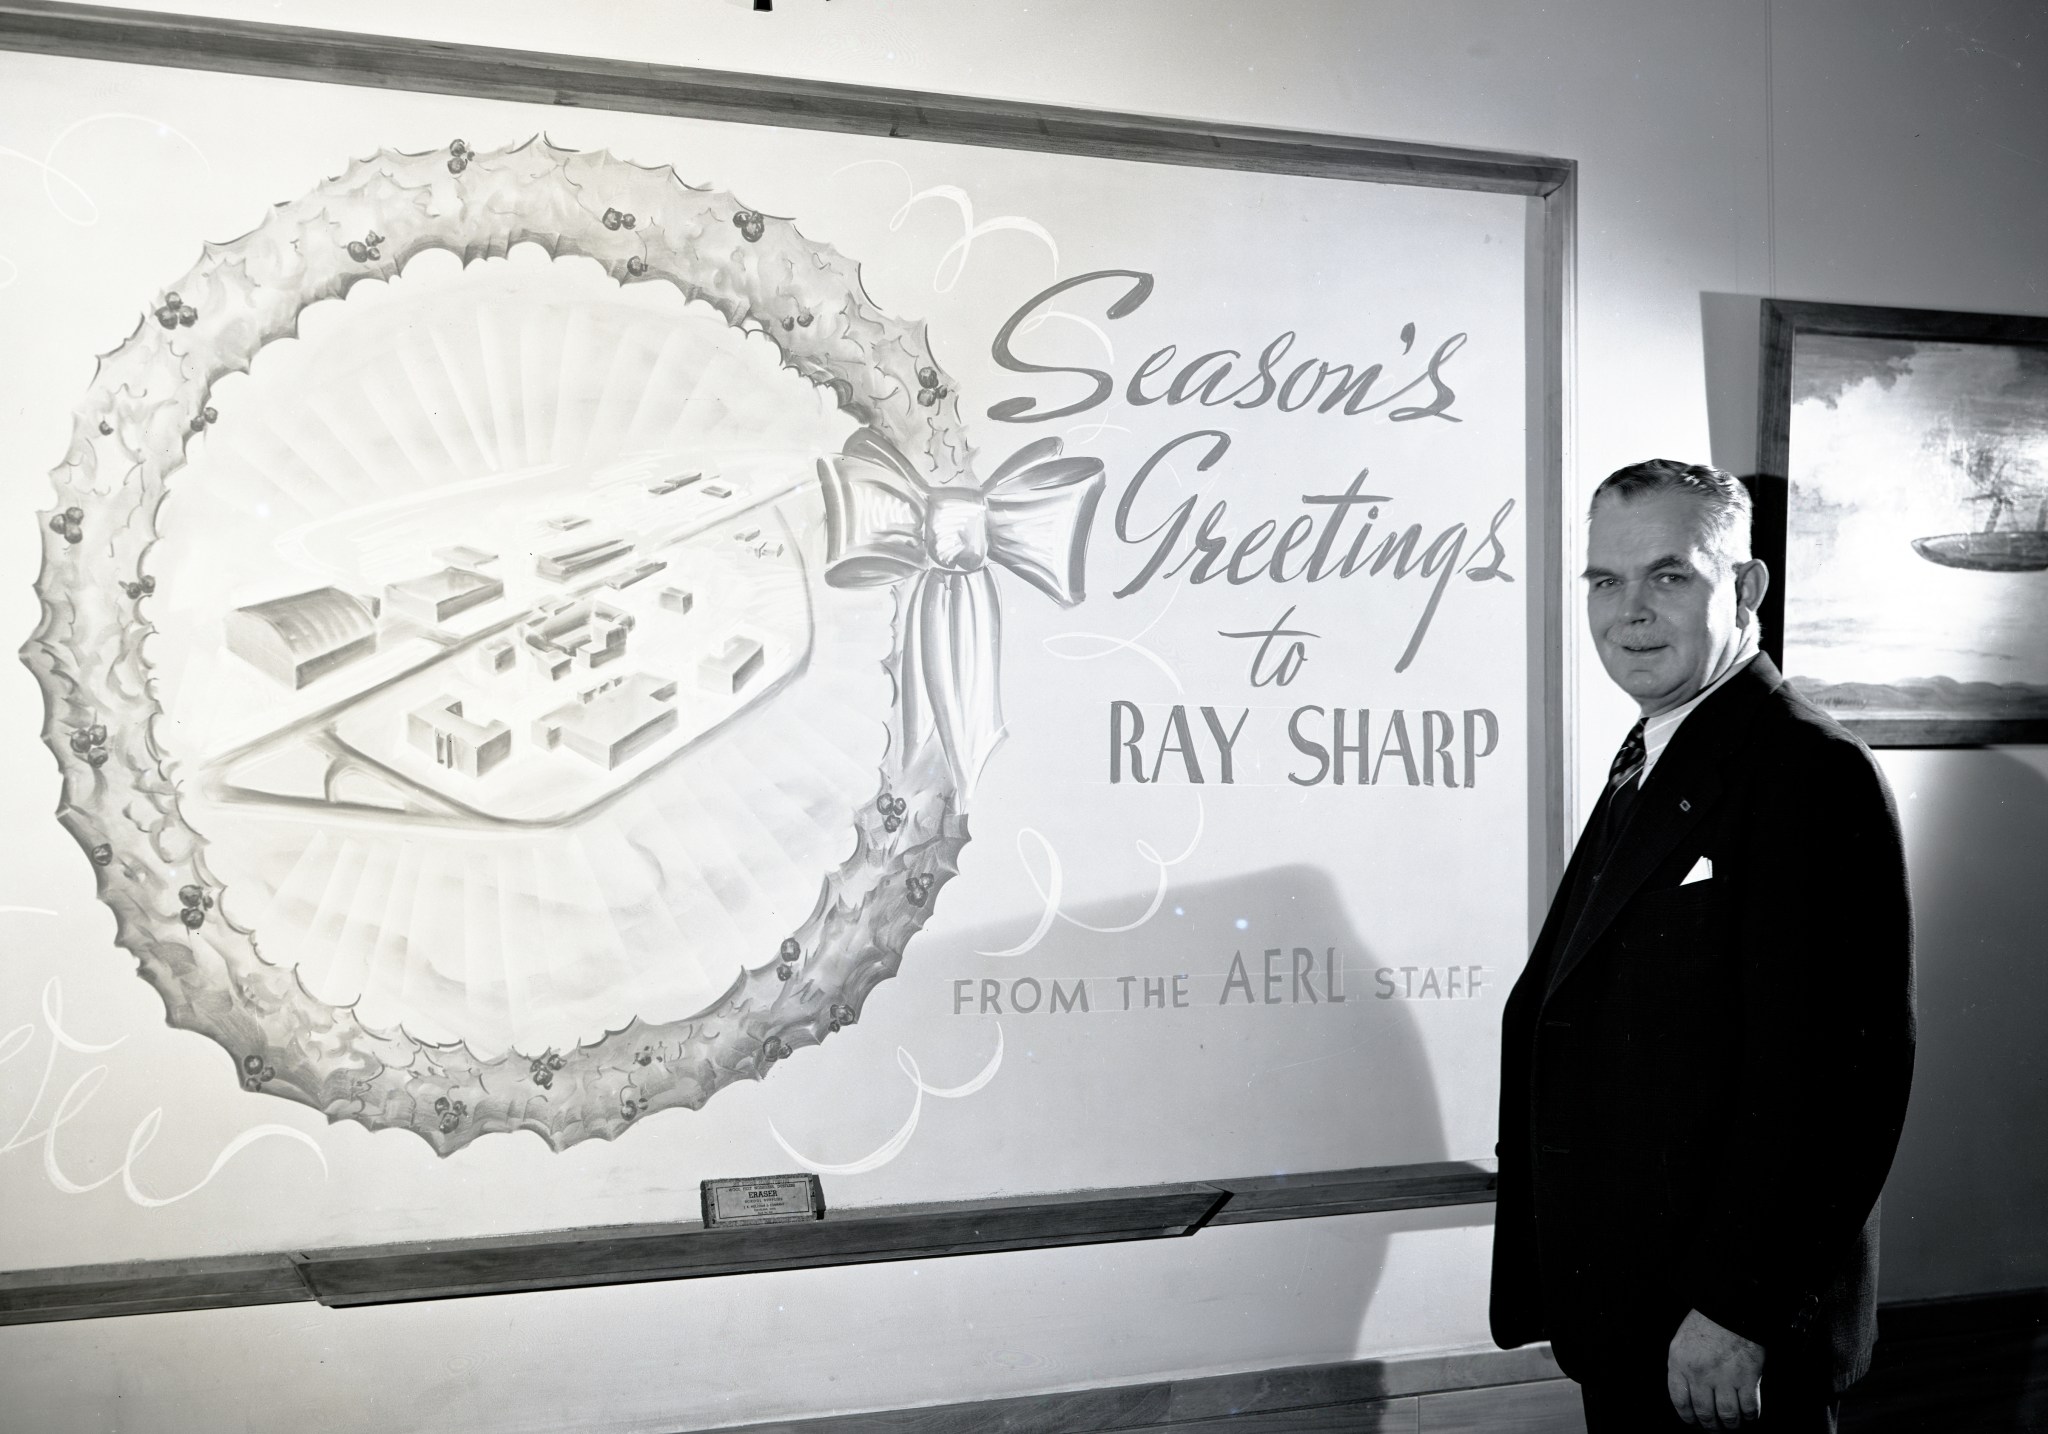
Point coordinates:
[(1701, 871)]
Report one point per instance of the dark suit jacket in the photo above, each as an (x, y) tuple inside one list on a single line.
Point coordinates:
[(1702, 1084)]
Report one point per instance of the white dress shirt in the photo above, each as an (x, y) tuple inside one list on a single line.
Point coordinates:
[(1659, 730)]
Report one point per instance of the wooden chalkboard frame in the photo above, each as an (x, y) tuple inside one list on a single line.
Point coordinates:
[(632, 1254), (560, 1259), (1783, 322)]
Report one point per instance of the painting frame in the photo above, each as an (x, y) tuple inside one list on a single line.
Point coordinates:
[(1966, 721)]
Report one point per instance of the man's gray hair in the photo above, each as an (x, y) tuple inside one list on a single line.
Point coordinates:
[(1722, 496)]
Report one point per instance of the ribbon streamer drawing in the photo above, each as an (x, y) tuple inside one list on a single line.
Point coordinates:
[(79, 1094), (52, 175), (889, 1149)]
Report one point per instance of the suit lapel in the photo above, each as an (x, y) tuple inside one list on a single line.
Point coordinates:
[(1569, 900), (1683, 786)]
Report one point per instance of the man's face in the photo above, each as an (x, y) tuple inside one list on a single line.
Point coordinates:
[(1665, 613)]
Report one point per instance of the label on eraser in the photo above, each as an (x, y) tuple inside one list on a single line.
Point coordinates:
[(762, 1200)]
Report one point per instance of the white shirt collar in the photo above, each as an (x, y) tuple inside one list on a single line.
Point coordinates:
[(1659, 730)]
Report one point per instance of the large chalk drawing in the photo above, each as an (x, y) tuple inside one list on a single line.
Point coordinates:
[(520, 634)]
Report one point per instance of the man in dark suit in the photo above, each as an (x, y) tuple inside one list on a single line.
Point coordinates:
[(1705, 1063)]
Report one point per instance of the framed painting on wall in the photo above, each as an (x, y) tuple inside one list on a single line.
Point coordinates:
[(592, 626), (1915, 445)]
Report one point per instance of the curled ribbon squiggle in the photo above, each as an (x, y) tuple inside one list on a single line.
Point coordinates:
[(889, 1149), (1051, 891), (80, 1093)]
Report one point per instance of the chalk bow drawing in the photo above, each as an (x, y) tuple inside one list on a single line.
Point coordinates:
[(886, 524)]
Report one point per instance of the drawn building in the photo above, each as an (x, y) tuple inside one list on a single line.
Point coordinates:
[(729, 669), (611, 722), (570, 633), (451, 739), (307, 635), (639, 572), (565, 563), (436, 597)]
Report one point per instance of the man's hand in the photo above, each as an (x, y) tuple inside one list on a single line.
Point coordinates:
[(1712, 1375)]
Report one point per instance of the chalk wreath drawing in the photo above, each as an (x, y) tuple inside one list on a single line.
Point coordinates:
[(431, 646)]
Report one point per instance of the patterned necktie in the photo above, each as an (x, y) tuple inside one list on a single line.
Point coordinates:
[(1628, 762), (1621, 780)]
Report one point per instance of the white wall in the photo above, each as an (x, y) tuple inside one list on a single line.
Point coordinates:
[(1911, 170), (1900, 160)]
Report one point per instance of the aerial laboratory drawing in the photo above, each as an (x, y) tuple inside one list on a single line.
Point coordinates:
[(538, 670)]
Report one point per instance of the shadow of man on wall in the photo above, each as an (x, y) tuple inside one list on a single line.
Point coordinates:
[(1963, 1208), (1254, 1026)]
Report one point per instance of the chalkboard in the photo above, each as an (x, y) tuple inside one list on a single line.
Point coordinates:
[(744, 627)]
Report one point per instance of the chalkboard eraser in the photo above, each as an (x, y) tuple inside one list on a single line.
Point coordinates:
[(762, 1200)]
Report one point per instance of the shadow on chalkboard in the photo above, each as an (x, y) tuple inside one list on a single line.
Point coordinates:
[(1256, 1070), (1258, 1073)]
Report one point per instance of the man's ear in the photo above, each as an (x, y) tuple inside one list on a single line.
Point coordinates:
[(1752, 581)]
